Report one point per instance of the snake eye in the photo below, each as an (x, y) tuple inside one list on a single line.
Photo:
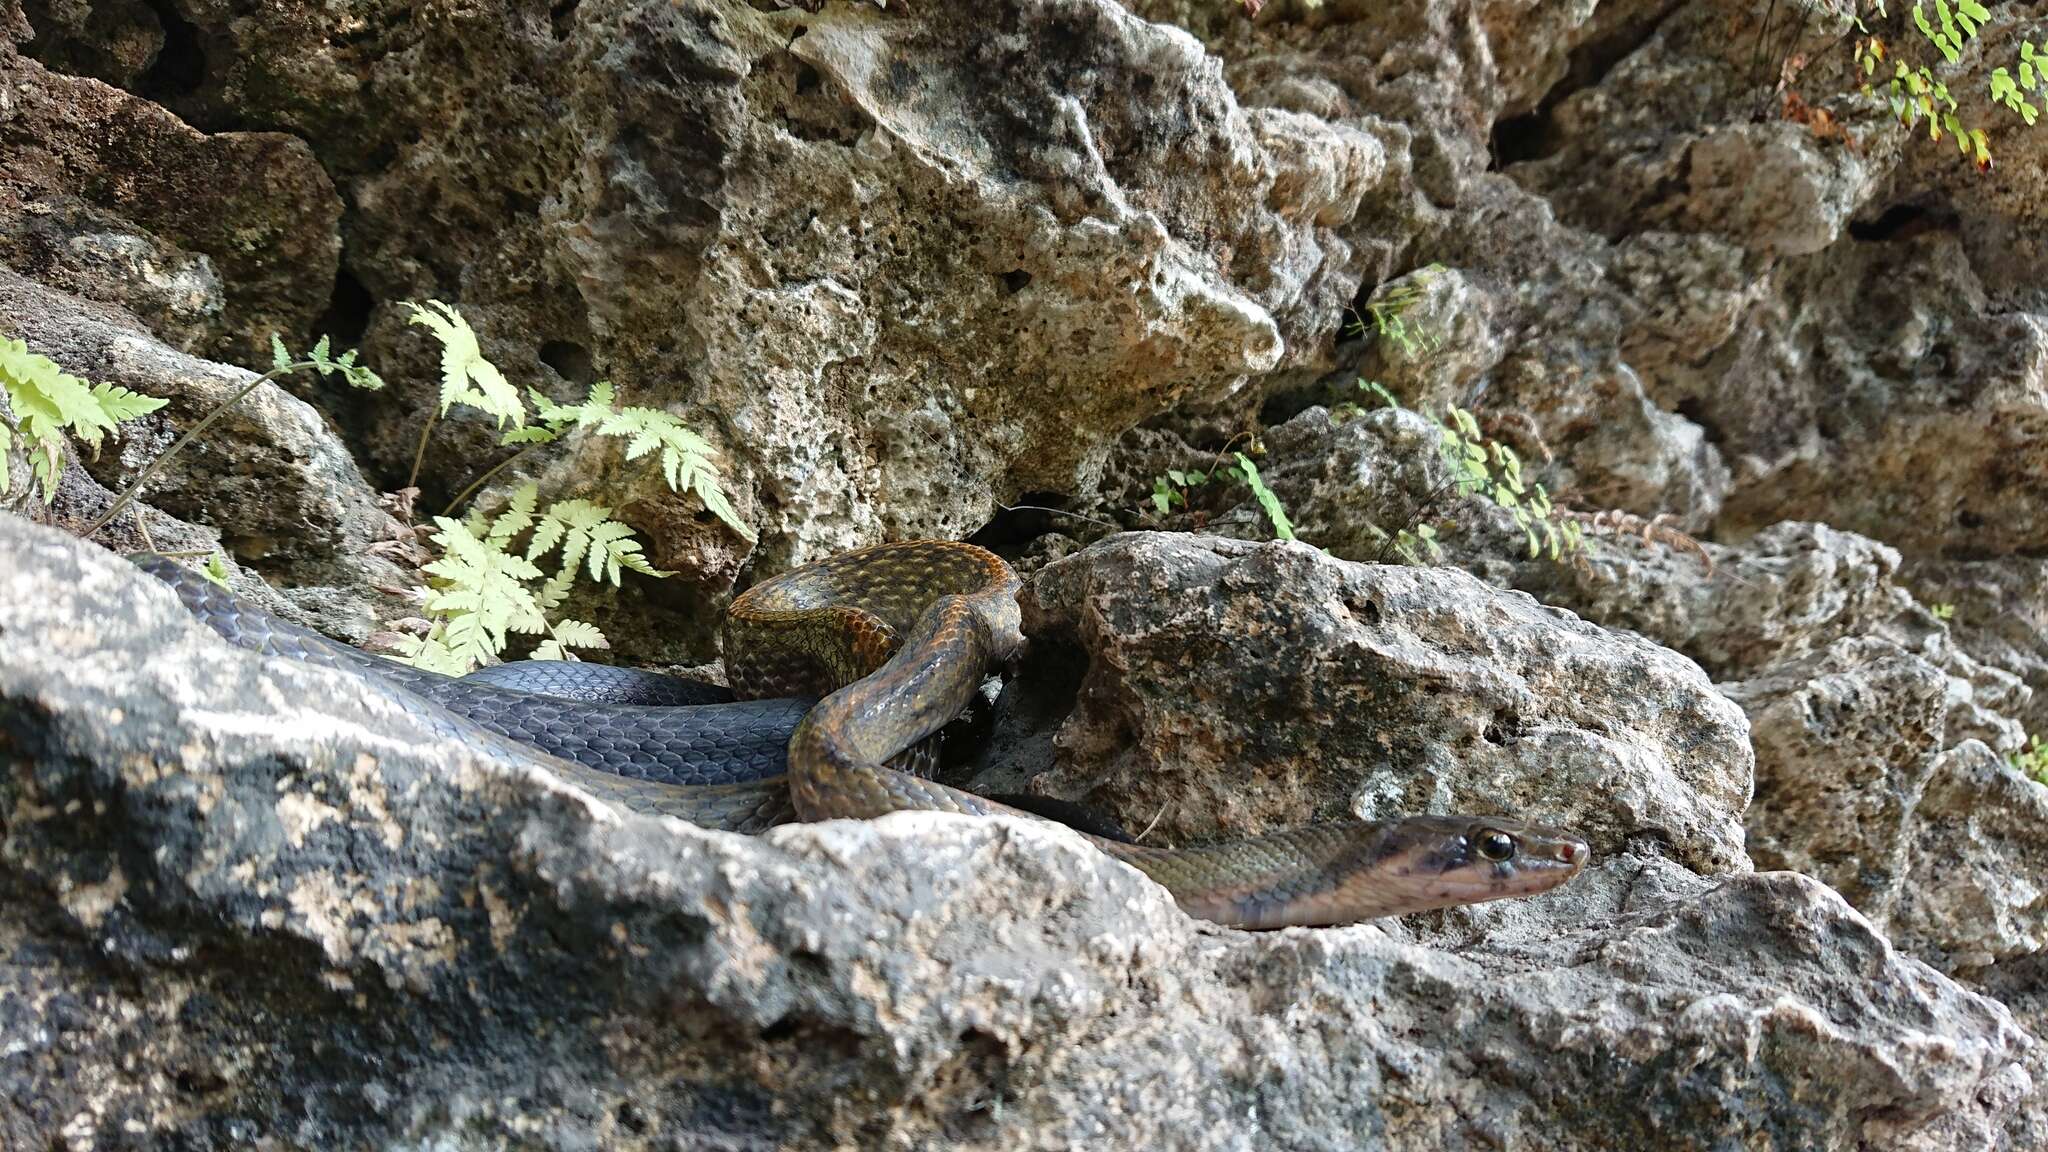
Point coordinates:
[(1496, 845)]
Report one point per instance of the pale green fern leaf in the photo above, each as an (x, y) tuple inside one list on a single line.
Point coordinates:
[(480, 592), (567, 634), (686, 457), (567, 523), (595, 407), (117, 404), (517, 516), (578, 634), (48, 402), (433, 654), (466, 376)]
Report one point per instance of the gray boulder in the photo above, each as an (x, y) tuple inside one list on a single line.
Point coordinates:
[(248, 902)]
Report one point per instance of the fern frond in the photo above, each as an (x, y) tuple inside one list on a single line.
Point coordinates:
[(569, 634), (433, 654), (480, 591), (588, 538), (579, 634), (567, 523), (518, 514), (597, 405), (48, 402), (117, 404), (466, 376), (686, 457)]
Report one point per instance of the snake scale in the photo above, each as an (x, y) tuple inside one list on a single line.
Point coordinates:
[(845, 668)]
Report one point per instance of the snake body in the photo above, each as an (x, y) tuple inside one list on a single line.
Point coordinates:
[(845, 669)]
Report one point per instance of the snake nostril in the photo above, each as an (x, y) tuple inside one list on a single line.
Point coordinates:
[(1572, 852)]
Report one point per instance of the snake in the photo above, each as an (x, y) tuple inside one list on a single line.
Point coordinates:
[(842, 673)]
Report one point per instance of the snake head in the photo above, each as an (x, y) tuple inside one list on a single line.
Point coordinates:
[(1440, 861)]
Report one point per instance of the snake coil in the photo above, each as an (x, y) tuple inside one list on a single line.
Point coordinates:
[(892, 642)]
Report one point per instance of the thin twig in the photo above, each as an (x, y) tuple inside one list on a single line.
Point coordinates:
[(130, 492), (1155, 822), (480, 481), (420, 453), (1060, 512), (1756, 55)]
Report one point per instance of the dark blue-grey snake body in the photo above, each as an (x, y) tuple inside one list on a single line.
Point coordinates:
[(567, 709)]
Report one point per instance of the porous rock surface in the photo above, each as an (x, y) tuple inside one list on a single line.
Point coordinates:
[(248, 901), (898, 266), (214, 239), (901, 264), (271, 478), (1232, 686)]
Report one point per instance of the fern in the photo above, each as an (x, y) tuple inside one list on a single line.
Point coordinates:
[(1388, 309), (471, 380), (587, 534), (1492, 471), (484, 588), (1915, 94), (685, 456), (1283, 528), (1171, 488), (467, 378), (281, 364), (320, 362), (48, 402)]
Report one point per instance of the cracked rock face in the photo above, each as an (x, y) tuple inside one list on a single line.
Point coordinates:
[(271, 477), (215, 240), (898, 266), (250, 900), (1371, 689)]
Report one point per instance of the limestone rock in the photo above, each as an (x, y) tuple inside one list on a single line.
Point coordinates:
[(1231, 687), (243, 900), (1977, 892), (215, 241), (1998, 614), (898, 264), (270, 476), (1845, 740)]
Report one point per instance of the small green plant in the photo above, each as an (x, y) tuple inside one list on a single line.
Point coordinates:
[(1912, 90), (1283, 528), (1415, 544), (2031, 761), (48, 402), (1492, 471), (1943, 611), (1170, 489), (1387, 311), (485, 586)]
